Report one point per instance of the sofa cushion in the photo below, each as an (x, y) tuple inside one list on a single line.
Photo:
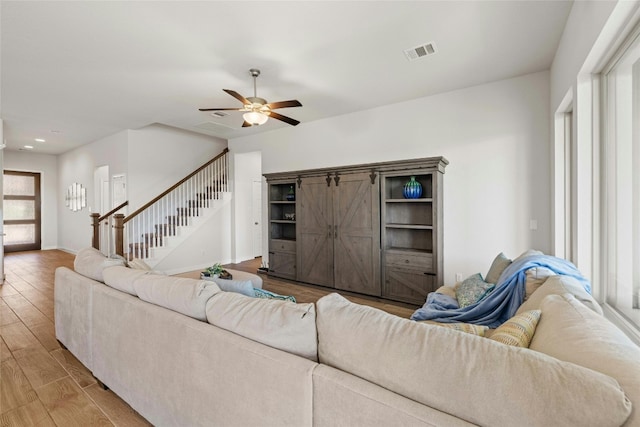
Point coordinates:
[(570, 331), (279, 324), (472, 290), (558, 285), (138, 264), (186, 296), (433, 365), (122, 278), (498, 265), (90, 262), (518, 330)]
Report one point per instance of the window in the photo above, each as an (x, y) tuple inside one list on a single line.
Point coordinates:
[(21, 211), (621, 180)]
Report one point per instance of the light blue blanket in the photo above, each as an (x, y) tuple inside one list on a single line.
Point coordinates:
[(501, 304)]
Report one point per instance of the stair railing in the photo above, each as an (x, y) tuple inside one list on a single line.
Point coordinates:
[(104, 235), (148, 226)]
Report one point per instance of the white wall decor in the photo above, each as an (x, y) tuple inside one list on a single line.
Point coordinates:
[(76, 197)]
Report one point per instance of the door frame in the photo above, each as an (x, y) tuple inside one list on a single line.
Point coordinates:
[(37, 221)]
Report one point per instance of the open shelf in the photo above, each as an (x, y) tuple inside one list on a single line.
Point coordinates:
[(395, 184), (409, 239), (393, 249), (410, 226)]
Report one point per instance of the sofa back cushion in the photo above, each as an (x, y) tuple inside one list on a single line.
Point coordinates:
[(122, 278), (91, 262), (558, 285), (181, 294), (280, 324), (473, 378), (570, 331)]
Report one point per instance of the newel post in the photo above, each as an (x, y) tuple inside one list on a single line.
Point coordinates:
[(95, 240), (119, 230)]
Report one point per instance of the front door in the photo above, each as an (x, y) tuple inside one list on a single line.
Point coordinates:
[(21, 211)]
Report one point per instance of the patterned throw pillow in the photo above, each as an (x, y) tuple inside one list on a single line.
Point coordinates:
[(472, 290), (518, 331), (469, 328)]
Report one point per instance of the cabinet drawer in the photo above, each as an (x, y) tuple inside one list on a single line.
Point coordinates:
[(407, 286), (410, 260), (282, 245), (282, 264)]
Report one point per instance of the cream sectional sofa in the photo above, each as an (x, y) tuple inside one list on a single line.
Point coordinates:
[(182, 352)]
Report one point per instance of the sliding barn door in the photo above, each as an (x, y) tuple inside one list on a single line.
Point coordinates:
[(315, 232), (356, 207)]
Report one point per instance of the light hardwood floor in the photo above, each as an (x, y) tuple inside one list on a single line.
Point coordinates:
[(42, 384)]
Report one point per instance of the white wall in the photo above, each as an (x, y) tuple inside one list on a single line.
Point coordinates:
[(152, 158), (247, 168), (209, 244), (47, 166), (78, 165), (584, 25), (159, 156), (495, 136)]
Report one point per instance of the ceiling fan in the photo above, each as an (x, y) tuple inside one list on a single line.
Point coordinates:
[(256, 110)]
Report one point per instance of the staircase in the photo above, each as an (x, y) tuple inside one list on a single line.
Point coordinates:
[(150, 232)]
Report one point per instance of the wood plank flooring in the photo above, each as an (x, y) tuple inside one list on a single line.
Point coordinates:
[(42, 384)]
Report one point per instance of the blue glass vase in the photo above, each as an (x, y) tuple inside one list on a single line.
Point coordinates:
[(412, 189), (291, 195)]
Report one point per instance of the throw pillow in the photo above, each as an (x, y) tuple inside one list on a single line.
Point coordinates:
[(244, 287), (472, 290), (469, 328), (498, 265), (536, 276), (264, 294), (527, 253), (517, 331), (447, 290)]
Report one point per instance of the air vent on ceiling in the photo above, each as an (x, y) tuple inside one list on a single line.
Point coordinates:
[(421, 51), (219, 114)]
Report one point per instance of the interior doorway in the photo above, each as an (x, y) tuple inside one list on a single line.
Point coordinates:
[(21, 206)]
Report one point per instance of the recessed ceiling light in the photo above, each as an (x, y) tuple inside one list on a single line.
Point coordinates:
[(29, 147), (39, 140)]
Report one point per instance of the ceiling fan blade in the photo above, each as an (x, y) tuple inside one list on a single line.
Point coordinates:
[(246, 124), (285, 119), (237, 96), (219, 109), (284, 104)]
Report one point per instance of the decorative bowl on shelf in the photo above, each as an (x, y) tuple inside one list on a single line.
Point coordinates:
[(412, 189)]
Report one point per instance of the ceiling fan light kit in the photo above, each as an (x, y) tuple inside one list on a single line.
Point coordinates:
[(255, 118), (256, 110)]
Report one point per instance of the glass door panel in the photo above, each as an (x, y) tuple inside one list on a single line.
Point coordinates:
[(21, 211)]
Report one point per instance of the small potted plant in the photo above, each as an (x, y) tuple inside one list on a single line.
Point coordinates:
[(214, 271)]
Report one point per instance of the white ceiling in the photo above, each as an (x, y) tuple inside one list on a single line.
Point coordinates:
[(74, 72)]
